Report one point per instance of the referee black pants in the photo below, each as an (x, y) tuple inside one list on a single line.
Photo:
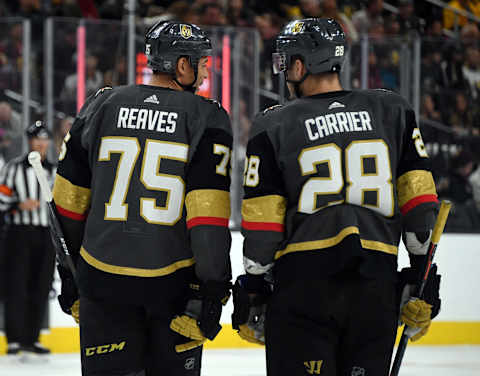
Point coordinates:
[(29, 262)]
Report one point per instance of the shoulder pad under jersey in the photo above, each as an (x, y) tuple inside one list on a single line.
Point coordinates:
[(100, 91), (214, 101), (272, 108)]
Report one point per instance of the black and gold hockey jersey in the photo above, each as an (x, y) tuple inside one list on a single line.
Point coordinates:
[(143, 182), (331, 166)]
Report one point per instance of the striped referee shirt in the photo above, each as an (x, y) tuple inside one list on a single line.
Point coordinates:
[(19, 183)]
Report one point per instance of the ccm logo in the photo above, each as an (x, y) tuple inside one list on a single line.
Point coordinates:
[(104, 349)]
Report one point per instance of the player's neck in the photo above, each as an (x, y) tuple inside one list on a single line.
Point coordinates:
[(164, 80), (321, 83)]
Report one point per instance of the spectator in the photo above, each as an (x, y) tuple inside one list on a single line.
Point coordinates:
[(406, 18), (211, 15), (94, 80), (459, 189), (329, 9), (471, 70), (116, 76), (470, 34), (182, 10), (376, 30), (61, 129), (428, 110), (362, 19), (374, 76), (452, 20), (432, 78), (463, 118), (31, 9), (11, 59), (310, 8), (268, 25), (453, 66), (11, 132), (238, 14)]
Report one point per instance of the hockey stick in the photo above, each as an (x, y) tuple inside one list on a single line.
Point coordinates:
[(63, 255), (437, 232)]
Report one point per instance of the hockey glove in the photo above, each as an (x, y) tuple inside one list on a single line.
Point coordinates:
[(68, 298), (201, 319), (416, 313), (250, 294)]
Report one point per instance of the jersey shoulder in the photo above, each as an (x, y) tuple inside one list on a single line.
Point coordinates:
[(268, 119), (216, 116), (95, 101), (388, 97)]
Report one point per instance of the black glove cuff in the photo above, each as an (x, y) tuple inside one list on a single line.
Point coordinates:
[(410, 276), (255, 284), (217, 291)]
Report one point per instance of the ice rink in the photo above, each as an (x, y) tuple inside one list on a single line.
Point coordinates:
[(418, 361)]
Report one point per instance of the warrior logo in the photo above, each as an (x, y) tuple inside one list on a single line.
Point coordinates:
[(186, 31), (313, 367)]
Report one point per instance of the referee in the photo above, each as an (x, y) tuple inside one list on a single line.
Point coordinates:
[(29, 251)]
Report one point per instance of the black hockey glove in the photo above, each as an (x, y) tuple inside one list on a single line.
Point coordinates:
[(68, 298), (250, 294), (201, 319), (415, 312)]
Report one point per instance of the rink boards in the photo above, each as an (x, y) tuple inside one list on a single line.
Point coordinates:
[(458, 259)]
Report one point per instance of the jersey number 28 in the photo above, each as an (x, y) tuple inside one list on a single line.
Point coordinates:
[(358, 181)]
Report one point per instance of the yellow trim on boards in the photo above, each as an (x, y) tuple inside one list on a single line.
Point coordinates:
[(67, 340)]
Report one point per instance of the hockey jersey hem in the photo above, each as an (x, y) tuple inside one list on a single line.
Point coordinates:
[(334, 240), (136, 272)]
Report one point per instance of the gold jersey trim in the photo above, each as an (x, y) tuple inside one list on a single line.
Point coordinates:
[(269, 209), (137, 272), (70, 196), (334, 240), (413, 184), (379, 246), (207, 203)]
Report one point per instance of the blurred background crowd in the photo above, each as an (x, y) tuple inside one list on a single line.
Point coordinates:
[(449, 111)]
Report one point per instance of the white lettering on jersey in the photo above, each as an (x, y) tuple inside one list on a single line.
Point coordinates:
[(339, 122), (153, 120)]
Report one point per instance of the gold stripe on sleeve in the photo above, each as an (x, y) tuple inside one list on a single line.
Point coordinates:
[(70, 196), (269, 209), (413, 184), (208, 203)]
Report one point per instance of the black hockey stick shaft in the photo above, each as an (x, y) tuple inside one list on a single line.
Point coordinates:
[(63, 255), (437, 232)]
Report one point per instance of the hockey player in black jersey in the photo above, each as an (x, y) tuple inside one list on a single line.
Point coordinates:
[(332, 180), (142, 192)]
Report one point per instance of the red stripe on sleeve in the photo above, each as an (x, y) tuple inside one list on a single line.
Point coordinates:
[(213, 221), (263, 226), (70, 214), (414, 202)]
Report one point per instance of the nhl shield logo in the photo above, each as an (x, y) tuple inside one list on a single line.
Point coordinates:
[(186, 31), (298, 27), (189, 364)]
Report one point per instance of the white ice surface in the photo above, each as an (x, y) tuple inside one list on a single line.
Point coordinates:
[(418, 361)]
